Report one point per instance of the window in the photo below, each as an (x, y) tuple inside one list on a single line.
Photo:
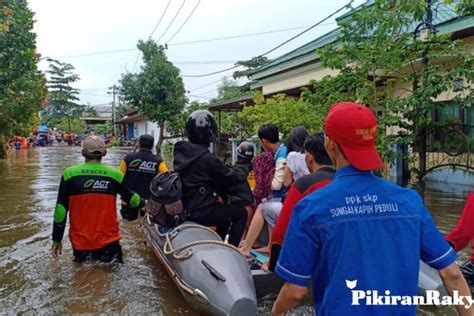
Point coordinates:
[(452, 116)]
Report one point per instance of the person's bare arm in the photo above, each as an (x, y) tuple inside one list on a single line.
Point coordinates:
[(277, 181), (290, 296), (287, 177), (454, 280)]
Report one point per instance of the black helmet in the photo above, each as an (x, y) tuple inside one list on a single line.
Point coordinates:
[(201, 127), (245, 150), (146, 141)]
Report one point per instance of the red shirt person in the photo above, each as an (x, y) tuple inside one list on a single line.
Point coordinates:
[(463, 233), (319, 163)]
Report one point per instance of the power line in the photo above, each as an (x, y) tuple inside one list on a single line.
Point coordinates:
[(276, 47), (208, 92), (99, 53), (185, 21), (161, 18), (152, 32), (94, 95), (102, 104), (172, 21), (308, 29), (208, 84), (94, 89), (199, 97), (197, 62), (191, 42), (240, 36), (211, 73)]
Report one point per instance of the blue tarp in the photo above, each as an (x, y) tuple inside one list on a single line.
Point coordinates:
[(42, 129)]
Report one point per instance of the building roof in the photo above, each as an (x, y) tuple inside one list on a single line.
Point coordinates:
[(131, 117), (234, 104), (103, 111), (306, 49), (445, 19)]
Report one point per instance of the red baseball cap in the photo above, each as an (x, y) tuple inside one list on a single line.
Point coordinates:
[(354, 128)]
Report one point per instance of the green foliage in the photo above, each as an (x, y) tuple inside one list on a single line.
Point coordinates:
[(22, 86), (230, 122), (463, 7), (250, 66), (114, 143), (176, 126), (229, 89), (157, 90), (72, 125), (89, 111), (381, 65), (61, 97), (285, 112), (101, 129), (123, 109)]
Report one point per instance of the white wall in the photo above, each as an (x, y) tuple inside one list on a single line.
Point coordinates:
[(146, 127)]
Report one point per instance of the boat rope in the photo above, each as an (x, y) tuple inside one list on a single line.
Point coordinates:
[(183, 252)]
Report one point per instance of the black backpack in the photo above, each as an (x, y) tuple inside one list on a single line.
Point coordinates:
[(165, 205)]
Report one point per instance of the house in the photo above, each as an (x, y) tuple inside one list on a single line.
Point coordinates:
[(104, 115), (294, 70), (133, 125)]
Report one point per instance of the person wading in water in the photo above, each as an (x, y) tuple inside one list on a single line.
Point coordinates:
[(88, 192), (139, 168)]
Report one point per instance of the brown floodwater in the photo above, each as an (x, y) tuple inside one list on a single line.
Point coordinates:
[(32, 282)]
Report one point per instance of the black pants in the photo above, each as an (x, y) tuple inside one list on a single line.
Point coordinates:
[(110, 253), (223, 216)]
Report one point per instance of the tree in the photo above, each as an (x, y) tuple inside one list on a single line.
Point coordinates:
[(62, 97), (176, 126), (285, 112), (72, 125), (378, 55), (251, 65), (229, 89), (157, 90), (89, 111), (22, 86)]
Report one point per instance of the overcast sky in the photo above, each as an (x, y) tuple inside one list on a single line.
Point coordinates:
[(67, 28)]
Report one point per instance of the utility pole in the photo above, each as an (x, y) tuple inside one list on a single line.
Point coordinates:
[(424, 29), (425, 34), (114, 89)]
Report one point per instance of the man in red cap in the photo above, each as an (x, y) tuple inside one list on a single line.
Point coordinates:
[(360, 238)]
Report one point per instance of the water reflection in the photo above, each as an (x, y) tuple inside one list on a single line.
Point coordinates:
[(31, 281)]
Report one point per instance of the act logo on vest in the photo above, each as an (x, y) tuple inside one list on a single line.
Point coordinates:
[(96, 184), (433, 297), (138, 164)]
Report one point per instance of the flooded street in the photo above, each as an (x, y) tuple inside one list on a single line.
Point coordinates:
[(31, 281)]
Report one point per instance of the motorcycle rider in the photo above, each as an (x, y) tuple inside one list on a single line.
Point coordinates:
[(203, 175)]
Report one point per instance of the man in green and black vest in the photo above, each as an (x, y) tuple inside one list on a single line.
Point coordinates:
[(139, 168), (88, 193)]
